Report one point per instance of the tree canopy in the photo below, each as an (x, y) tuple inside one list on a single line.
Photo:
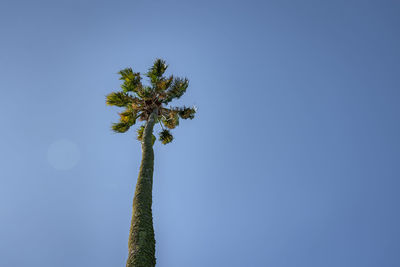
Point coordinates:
[(140, 101)]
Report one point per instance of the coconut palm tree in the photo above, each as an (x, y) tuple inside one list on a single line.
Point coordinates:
[(148, 104)]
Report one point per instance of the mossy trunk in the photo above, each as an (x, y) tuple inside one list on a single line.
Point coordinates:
[(141, 237)]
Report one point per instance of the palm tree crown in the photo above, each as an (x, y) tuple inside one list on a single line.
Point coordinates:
[(140, 101)]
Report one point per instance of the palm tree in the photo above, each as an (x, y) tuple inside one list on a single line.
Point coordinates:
[(147, 103)]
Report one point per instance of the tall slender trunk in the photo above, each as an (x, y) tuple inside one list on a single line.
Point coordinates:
[(141, 237)]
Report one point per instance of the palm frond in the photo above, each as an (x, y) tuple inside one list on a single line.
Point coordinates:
[(177, 89), (156, 71), (170, 118), (119, 99), (131, 80), (164, 83), (165, 137), (186, 113), (129, 116), (145, 92), (120, 127)]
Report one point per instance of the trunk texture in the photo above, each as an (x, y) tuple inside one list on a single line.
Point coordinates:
[(141, 237)]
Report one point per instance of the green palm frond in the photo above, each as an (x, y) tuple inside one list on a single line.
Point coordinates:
[(119, 99), (131, 80), (126, 74), (120, 127), (129, 116), (146, 92), (186, 113), (164, 83), (166, 137), (170, 118), (157, 70), (177, 89)]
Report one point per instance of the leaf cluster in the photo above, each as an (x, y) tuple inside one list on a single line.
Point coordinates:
[(139, 101), (166, 137), (132, 81)]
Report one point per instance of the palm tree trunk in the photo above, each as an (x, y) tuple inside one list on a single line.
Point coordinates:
[(141, 237)]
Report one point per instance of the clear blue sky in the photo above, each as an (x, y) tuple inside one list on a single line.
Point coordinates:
[(292, 161)]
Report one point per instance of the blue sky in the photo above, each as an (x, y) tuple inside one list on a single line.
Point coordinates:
[(293, 159)]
